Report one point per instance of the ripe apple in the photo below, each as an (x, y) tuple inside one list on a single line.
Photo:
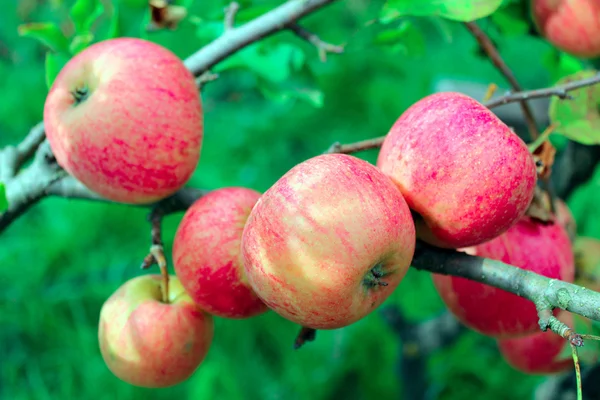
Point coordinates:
[(540, 352), (466, 173), (328, 242), (125, 118), (207, 254), (587, 262), (147, 342), (544, 248), (570, 25)]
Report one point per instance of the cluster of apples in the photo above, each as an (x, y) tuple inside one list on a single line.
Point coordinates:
[(325, 245)]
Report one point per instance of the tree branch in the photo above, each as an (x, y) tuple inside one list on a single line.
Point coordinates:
[(560, 91), (235, 39), (24, 189), (230, 13), (322, 47), (493, 54), (546, 293)]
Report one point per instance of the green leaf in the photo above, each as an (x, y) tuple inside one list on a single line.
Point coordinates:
[(54, 63), (561, 64), (511, 20), (80, 42), (3, 199), (456, 10), (405, 38), (47, 33), (579, 118), (84, 13), (274, 63)]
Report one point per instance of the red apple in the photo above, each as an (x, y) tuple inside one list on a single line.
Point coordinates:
[(532, 245), (466, 173), (328, 242), (124, 117), (570, 25), (207, 254), (150, 343), (540, 352), (587, 262)]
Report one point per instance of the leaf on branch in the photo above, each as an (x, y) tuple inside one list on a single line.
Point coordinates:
[(578, 118), (405, 38), (164, 15), (3, 199), (84, 13), (511, 20), (49, 34), (456, 10)]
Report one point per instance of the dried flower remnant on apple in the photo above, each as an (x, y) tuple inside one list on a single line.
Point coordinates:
[(458, 205), (328, 242)]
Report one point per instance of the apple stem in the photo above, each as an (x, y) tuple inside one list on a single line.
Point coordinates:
[(305, 335), (159, 255)]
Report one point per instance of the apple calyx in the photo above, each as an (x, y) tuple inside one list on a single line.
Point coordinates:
[(373, 277), (81, 94)]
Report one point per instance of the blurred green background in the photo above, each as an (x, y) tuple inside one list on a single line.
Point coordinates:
[(274, 105)]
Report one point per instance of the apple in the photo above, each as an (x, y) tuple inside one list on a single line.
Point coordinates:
[(543, 248), (207, 253), (539, 353), (587, 262), (572, 26), (124, 117), (328, 242), (466, 174), (147, 342)]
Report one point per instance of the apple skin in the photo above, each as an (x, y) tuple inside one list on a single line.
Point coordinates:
[(467, 175), (539, 353), (587, 262), (207, 253), (146, 342), (136, 136), (572, 26), (315, 241), (542, 248)]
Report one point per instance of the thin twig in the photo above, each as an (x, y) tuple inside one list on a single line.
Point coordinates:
[(322, 47), (494, 56), (230, 13), (236, 39), (350, 148)]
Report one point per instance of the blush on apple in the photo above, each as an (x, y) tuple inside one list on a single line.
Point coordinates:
[(532, 245), (466, 173), (147, 342), (124, 117), (328, 242), (570, 25), (539, 353), (207, 254)]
